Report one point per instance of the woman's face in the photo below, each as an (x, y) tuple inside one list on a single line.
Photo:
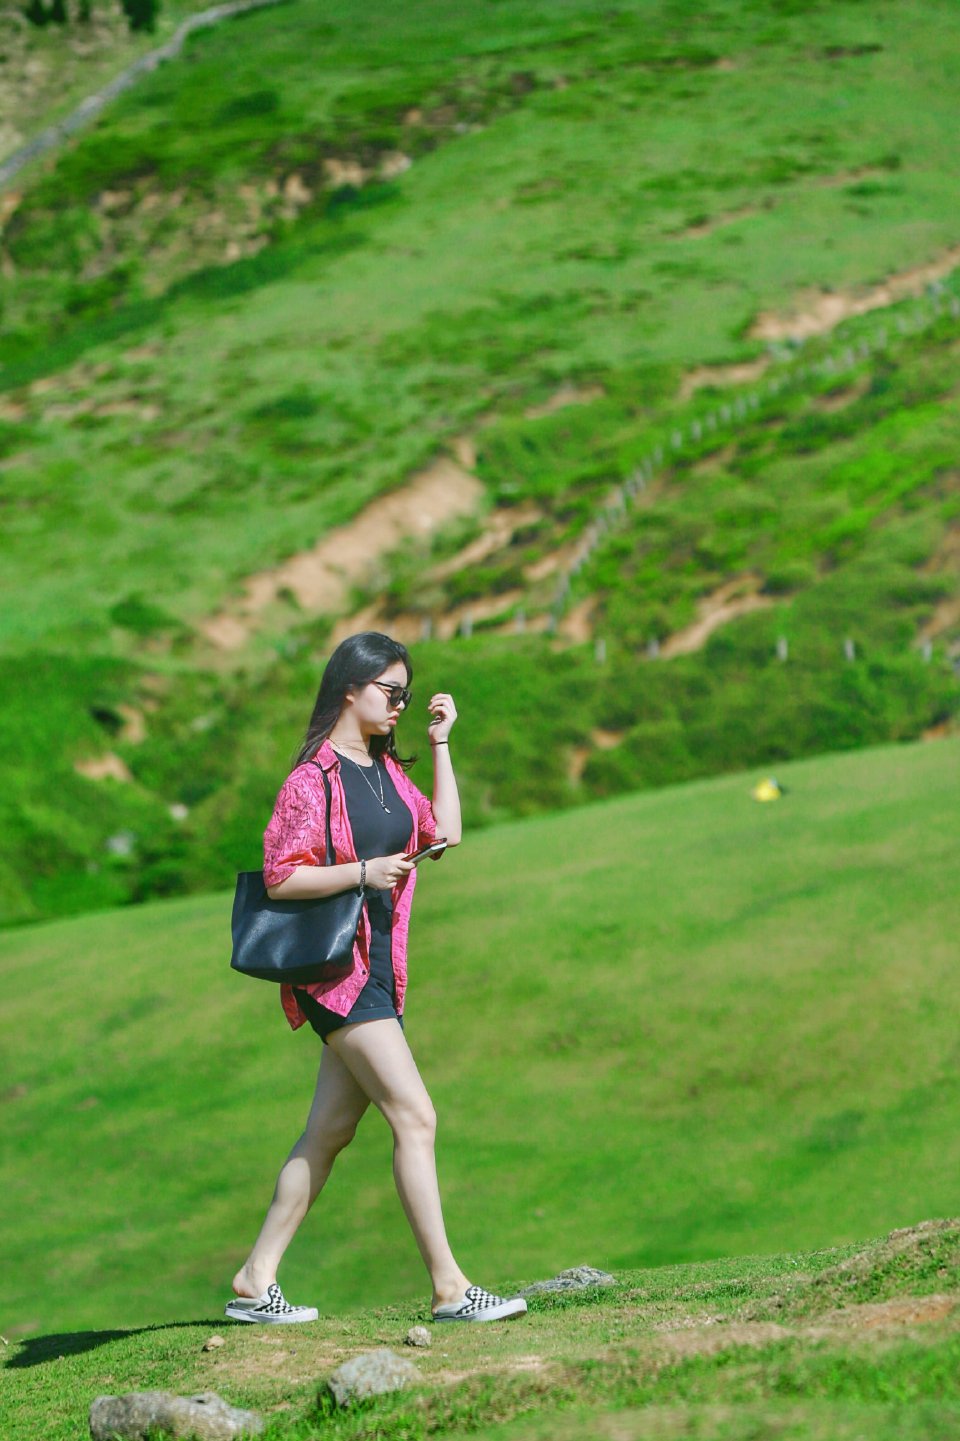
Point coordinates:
[(373, 706)]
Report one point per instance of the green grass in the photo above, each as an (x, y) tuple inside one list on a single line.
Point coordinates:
[(172, 423), (666, 1352), (448, 294), (49, 70), (688, 1025)]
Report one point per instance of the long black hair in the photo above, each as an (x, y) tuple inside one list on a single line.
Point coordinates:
[(357, 661)]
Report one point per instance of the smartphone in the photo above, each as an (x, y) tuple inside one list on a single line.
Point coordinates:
[(435, 849)]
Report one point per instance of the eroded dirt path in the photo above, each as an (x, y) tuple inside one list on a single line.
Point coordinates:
[(320, 578), (823, 311), (734, 598)]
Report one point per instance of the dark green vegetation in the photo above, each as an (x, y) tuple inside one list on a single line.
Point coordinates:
[(231, 319), (141, 14), (865, 1342), (661, 1028)]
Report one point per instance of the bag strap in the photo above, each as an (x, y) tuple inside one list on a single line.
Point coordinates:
[(326, 791)]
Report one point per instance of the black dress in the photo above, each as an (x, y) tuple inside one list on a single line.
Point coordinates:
[(375, 833)]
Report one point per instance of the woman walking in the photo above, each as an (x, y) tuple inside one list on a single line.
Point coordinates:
[(377, 818)]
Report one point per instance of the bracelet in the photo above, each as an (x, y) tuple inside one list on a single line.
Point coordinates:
[(363, 875), (434, 744)]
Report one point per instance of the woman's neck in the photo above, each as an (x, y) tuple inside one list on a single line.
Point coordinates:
[(355, 742)]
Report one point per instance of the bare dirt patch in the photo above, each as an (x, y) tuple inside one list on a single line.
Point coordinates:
[(134, 725), (266, 1357), (606, 740), (528, 1364), (739, 374), (683, 1341), (715, 459), (946, 615), (717, 222), (846, 395), (601, 740), (899, 1311), (409, 628), (577, 764), (500, 529), (319, 579), (824, 310), (101, 768), (551, 563), (566, 395), (577, 624), (946, 558), (722, 605)]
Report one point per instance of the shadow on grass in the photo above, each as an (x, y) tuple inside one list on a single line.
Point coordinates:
[(35, 1350)]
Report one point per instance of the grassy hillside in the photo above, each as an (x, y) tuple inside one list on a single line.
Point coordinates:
[(827, 1345), (658, 1029), (517, 250), (234, 314)]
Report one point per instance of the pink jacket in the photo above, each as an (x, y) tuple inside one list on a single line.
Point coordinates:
[(296, 836)]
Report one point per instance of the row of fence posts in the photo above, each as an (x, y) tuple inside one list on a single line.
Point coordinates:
[(614, 513), (782, 649)]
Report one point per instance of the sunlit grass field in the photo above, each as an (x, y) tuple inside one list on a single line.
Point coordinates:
[(663, 1028), (825, 1345)]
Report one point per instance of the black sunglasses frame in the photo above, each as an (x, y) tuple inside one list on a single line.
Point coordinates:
[(395, 693)]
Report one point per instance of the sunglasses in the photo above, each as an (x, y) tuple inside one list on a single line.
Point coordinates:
[(396, 694)]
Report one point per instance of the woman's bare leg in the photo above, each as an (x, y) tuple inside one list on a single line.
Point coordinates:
[(377, 1055), (338, 1104)]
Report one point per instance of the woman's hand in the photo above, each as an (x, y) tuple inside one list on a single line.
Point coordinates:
[(442, 707), (383, 872)]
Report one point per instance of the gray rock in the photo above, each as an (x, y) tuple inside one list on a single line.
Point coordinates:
[(205, 1416), (575, 1278), (417, 1336), (371, 1374)]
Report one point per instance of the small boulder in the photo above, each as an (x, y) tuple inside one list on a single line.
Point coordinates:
[(575, 1278), (212, 1342), (373, 1373), (139, 1414), (417, 1336)]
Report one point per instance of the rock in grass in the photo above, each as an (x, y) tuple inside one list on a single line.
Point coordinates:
[(372, 1373), (140, 1414), (417, 1336), (575, 1278)]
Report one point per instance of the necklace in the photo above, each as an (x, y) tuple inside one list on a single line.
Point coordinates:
[(361, 769)]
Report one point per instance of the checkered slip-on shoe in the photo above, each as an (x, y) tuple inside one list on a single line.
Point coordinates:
[(481, 1305), (272, 1307)]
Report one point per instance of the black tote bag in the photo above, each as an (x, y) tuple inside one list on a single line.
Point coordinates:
[(295, 941)]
